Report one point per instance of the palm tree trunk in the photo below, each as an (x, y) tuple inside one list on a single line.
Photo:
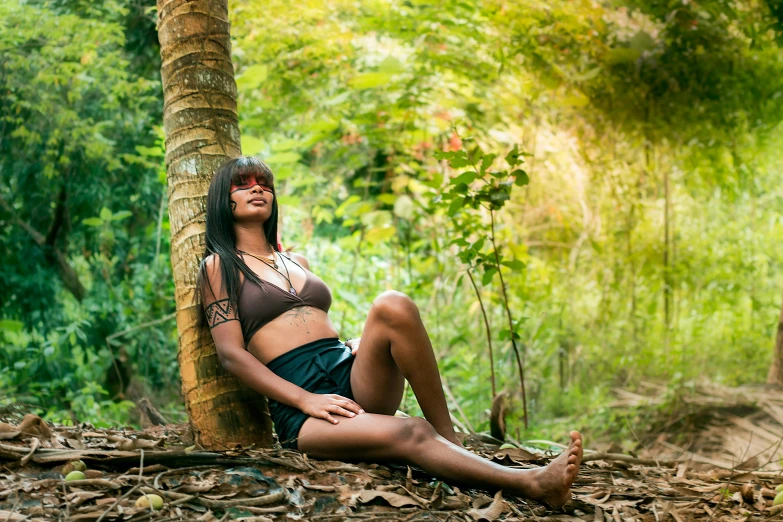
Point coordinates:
[(202, 131)]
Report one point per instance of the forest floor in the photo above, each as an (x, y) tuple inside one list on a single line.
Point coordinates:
[(712, 454)]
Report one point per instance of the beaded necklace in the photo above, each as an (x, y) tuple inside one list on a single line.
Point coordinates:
[(272, 263)]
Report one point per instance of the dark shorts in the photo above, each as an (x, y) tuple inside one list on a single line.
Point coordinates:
[(322, 366)]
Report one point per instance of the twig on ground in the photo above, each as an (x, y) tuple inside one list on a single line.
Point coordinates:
[(33, 448), (13, 509), (129, 493), (178, 470), (67, 508)]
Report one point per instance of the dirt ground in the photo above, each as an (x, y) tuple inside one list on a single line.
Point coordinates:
[(716, 456)]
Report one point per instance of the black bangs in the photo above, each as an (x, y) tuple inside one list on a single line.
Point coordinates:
[(220, 235), (247, 167)]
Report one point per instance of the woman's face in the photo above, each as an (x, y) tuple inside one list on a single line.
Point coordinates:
[(251, 199)]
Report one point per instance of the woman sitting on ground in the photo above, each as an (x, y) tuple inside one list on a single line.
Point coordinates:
[(268, 316)]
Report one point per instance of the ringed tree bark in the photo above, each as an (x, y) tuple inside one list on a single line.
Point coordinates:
[(201, 131)]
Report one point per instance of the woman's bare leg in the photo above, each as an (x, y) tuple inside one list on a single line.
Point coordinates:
[(394, 347), (414, 441)]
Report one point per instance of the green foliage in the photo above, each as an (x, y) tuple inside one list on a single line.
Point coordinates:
[(355, 105), (80, 186), (363, 99)]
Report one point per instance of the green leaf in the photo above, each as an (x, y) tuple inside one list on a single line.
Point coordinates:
[(377, 218), (252, 77), (460, 160), (10, 325), (105, 214), (486, 162), (520, 178), (516, 264), (499, 197), (455, 206), (390, 65), (466, 178), (387, 199), (121, 215), (377, 234), (149, 152), (340, 211), (404, 207), (289, 200), (284, 145), (642, 41), (251, 145), (456, 159), (443, 155), (369, 80), (512, 158), (488, 275), (460, 189), (623, 55), (283, 157), (338, 99), (93, 222)]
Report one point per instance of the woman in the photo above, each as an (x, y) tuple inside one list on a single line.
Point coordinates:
[(268, 316)]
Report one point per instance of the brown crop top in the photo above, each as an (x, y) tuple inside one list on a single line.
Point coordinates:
[(258, 305)]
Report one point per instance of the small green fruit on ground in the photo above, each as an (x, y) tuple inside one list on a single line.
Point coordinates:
[(74, 475), (155, 500), (507, 446), (778, 499), (779, 488), (78, 465)]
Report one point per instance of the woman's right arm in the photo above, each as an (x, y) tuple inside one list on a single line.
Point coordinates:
[(226, 331)]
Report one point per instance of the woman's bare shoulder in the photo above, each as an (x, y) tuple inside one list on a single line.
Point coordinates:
[(299, 258)]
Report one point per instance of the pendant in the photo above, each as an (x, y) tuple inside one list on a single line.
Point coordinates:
[(293, 290)]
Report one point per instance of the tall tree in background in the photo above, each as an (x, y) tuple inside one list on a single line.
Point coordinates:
[(201, 129), (775, 375)]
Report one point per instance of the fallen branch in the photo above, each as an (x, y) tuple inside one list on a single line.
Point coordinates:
[(171, 458), (256, 501)]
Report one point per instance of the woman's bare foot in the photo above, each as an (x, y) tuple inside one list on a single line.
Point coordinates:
[(552, 483)]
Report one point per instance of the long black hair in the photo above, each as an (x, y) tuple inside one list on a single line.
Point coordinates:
[(220, 237)]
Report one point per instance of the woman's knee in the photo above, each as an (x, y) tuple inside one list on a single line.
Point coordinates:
[(395, 308), (414, 431)]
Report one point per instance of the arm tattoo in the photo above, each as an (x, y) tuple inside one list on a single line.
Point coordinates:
[(301, 313), (220, 312)]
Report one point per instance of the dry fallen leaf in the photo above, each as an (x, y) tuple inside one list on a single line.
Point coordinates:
[(516, 455), (491, 512), (395, 500), (134, 444), (8, 516), (8, 432), (79, 497), (481, 500)]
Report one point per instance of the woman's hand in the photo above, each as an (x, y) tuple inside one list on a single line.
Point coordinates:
[(322, 406), (353, 344)]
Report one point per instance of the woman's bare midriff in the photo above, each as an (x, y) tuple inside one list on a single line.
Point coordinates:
[(298, 326)]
